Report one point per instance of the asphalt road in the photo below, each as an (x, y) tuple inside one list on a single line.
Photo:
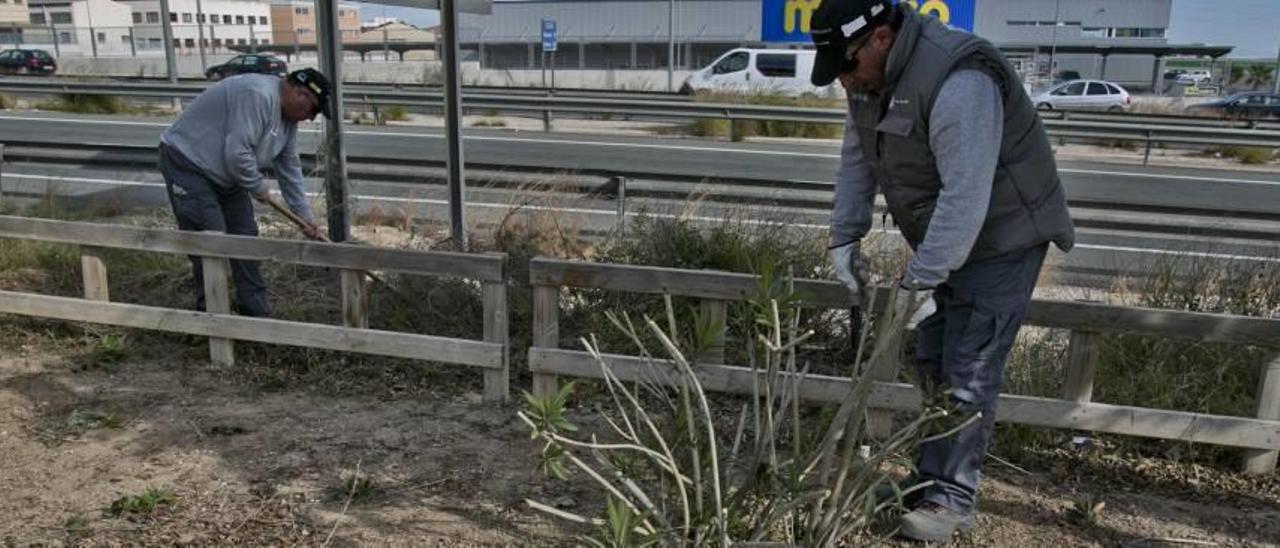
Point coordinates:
[(1118, 195)]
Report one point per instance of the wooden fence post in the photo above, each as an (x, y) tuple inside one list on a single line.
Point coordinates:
[(497, 382), (1082, 362), (94, 272), (713, 312), (217, 300), (1258, 462), (355, 298), (546, 333)]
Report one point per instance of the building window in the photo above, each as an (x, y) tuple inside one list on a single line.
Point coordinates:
[(226, 19), (302, 11), (102, 37), (239, 19), (200, 18), (262, 20), (190, 42), (186, 18), (126, 39), (304, 31), (37, 19), (265, 41), (241, 41), (65, 38), (1093, 32), (217, 42), (137, 17), (60, 18), (153, 17), (173, 17)]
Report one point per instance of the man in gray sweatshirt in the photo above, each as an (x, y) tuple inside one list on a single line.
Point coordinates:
[(940, 124), (212, 159)]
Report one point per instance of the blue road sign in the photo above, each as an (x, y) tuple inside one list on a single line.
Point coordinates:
[(548, 35), (788, 20)]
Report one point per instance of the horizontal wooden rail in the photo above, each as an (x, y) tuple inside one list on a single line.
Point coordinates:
[(365, 341), (1094, 317), (1096, 417), (488, 268)]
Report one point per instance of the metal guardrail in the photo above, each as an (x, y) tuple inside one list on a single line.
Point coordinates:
[(1074, 126)]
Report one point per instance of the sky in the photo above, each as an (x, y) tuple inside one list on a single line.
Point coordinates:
[(1253, 26)]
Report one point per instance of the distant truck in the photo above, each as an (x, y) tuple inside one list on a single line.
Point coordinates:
[(754, 70)]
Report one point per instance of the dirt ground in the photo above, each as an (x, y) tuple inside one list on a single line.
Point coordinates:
[(259, 464)]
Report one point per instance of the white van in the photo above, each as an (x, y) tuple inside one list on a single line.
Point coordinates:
[(781, 71)]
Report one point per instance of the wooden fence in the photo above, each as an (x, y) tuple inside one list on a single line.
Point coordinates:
[(1260, 436), (223, 328)]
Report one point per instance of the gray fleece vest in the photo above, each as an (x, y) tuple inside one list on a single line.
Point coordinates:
[(1028, 206)]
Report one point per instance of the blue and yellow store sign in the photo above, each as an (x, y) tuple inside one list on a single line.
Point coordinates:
[(788, 20)]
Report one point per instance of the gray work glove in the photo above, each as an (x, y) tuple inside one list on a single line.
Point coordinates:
[(914, 303), (851, 268)]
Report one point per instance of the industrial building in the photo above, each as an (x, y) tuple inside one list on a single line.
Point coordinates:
[(1125, 39)]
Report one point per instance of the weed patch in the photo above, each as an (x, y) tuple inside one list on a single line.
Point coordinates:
[(83, 103), (143, 505)]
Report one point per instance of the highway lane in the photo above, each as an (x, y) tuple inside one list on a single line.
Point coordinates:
[(1232, 192), (1101, 254)]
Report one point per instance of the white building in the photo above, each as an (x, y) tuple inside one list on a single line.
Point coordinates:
[(224, 22), (79, 27)]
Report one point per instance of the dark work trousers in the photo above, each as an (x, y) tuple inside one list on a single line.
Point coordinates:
[(962, 349), (201, 204)]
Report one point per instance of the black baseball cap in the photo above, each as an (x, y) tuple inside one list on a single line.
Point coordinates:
[(314, 81), (835, 25)]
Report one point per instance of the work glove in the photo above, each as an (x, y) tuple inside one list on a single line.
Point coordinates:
[(851, 268), (914, 303)]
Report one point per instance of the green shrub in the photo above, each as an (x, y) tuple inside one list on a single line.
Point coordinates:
[(766, 128), (7, 102), (82, 103), (395, 113)]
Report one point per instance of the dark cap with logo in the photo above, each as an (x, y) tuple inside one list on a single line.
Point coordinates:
[(835, 25), (315, 82)]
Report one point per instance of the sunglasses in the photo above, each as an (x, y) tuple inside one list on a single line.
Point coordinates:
[(850, 62)]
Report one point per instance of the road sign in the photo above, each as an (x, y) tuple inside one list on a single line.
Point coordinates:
[(788, 20), (548, 35)]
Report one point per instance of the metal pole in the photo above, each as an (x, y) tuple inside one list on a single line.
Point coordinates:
[(204, 64), (170, 60), (1053, 49), (386, 49), (329, 48), (671, 46), (1275, 75), (453, 125), (93, 41), (133, 44)]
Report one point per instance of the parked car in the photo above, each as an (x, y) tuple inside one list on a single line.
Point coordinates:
[(245, 64), (27, 61), (1083, 95), (1199, 76), (781, 71), (1241, 105)]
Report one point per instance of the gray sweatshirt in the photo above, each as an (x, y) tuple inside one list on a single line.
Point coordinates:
[(235, 129), (966, 127)]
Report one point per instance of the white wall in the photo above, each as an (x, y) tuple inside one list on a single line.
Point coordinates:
[(184, 31)]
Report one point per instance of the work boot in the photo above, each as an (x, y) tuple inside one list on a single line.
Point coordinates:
[(932, 522)]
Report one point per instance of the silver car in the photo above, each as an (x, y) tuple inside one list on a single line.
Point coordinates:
[(1083, 95)]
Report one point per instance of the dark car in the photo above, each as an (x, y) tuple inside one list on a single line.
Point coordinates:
[(27, 61), (245, 64), (1242, 105)]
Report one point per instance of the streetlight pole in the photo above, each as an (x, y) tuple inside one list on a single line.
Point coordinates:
[(1275, 75), (1053, 49), (204, 64), (671, 45)]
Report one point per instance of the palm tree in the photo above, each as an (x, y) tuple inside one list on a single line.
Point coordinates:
[(1260, 74)]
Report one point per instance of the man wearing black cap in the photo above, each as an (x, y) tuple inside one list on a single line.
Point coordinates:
[(212, 159), (940, 124)]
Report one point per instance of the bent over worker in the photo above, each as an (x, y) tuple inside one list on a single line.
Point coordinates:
[(212, 159), (940, 124)]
